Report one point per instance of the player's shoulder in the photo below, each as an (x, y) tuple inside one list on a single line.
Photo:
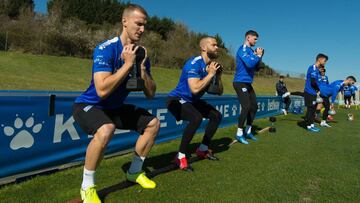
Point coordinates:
[(108, 45), (195, 60), (312, 68), (243, 49)]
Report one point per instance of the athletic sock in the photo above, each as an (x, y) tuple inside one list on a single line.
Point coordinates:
[(181, 155), (88, 179), (312, 125), (203, 147), (309, 126), (248, 129), (136, 164), (239, 132)]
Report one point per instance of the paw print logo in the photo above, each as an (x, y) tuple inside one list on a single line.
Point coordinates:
[(234, 110), (22, 133)]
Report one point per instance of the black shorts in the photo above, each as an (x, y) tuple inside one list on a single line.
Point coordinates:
[(176, 108), (347, 99), (310, 100), (127, 117)]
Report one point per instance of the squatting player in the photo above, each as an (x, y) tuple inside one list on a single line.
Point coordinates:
[(332, 90), (311, 91), (101, 109), (247, 61), (185, 102)]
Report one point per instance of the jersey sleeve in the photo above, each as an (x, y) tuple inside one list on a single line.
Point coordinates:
[(249, 58), (148, 66), (103, 59)]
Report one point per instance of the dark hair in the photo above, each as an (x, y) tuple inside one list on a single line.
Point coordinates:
[(322, 56), (133, 7), (281, 76), (351, 77), (251, 32)]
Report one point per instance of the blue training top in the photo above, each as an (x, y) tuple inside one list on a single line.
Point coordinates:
[(353, 89), (312, 72), (195, 67), (347, 91), (323, 80), (331, 90), (246, 64), (106, 58)]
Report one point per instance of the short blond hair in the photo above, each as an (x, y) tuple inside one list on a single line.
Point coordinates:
[(133, 7)]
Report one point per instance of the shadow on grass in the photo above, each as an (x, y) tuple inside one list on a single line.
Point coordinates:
[(302, 124), (163, 164)]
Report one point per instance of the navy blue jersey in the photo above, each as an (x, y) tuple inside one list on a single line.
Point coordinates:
[(331, 90), (312, 73), (347, 91), (195, 67), (246, 64), (106, 58)]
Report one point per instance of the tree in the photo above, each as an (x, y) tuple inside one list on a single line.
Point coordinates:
[(220, 42), (13, 8), (90, 11), (161, 26)]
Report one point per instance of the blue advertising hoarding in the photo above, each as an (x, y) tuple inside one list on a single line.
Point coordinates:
[(38, 131)]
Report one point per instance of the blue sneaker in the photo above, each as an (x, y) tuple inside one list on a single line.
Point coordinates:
[(251, 136), (241, 139), (314, 129)]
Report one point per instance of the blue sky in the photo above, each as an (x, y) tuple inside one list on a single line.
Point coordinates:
[(292, 32)]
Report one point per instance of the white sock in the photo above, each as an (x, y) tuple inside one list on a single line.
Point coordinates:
[(248, 129), (203, 147), (239, 132), (309, 126), (322, 122), (312, 125), (88, 179), (136, 164), (181, 155)]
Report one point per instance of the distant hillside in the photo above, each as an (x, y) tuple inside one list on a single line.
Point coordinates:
[(38, 72)]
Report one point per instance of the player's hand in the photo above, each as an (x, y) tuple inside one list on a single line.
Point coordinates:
[(128, 54), (213, 67), (143, 67), (259, 51)]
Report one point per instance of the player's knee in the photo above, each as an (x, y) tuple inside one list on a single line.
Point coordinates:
[(155, 123), (196, 120), (216, 116), (104, 133), (154, 126)]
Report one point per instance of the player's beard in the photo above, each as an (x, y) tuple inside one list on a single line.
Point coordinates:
[(212, 55)]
